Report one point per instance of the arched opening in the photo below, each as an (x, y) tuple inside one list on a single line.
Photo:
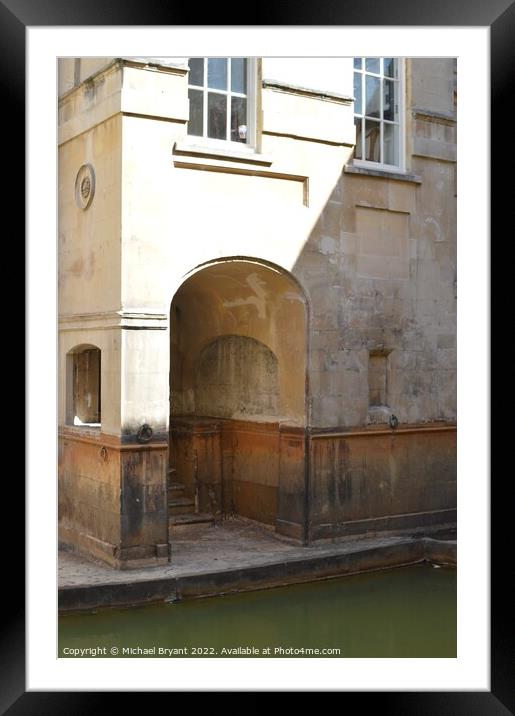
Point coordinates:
[(238, 332), (83, 384)]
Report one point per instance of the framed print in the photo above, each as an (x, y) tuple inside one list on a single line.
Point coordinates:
[(118, 390)]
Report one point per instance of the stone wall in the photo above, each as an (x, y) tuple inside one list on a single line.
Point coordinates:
[(375, 481), (112, 498), (352, 290), (89, 495), (380, 270), (236, 375)]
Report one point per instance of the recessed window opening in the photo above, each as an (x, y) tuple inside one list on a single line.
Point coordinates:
[(220, 96), (378, 110), (84, 406), (377, 385)]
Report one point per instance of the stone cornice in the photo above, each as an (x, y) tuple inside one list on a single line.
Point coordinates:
[(323, 95), (144, 63), (160, 64), (105, 320)]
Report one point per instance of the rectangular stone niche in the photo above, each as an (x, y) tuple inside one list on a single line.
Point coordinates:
[(377, 383)]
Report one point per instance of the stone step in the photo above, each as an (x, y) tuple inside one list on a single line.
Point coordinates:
[(180, 505), (191, 519), (176, 489)]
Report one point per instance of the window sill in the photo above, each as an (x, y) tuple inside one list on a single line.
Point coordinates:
[(382, 173), (229, 154)]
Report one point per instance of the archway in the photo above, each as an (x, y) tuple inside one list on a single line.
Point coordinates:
[(238, 347)]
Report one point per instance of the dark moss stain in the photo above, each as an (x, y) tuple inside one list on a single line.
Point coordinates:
[(345, 488)]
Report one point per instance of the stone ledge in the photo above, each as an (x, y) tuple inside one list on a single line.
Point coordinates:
[(121, 443), (235, 154), (379, 415), (373, 430), (382, 174), (324, 95), (440, 552), (387, 524)]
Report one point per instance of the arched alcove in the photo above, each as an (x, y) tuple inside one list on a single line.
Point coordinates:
[(238, 338), (236, 376)]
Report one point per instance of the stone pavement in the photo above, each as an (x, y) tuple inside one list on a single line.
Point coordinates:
[(201, 548)]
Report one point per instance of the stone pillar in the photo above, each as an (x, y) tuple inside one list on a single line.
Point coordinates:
[(144, 441), (292, 482)]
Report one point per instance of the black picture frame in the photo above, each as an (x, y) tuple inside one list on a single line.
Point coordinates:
[(499, 15)]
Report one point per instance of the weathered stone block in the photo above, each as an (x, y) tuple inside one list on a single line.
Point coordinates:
[(446, 340)]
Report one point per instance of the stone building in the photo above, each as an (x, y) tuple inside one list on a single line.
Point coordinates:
[(257, 298)]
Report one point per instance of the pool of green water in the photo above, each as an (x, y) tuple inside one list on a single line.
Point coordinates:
[(405, 612)]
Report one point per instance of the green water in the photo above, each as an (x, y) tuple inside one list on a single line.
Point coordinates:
[(406, 612)]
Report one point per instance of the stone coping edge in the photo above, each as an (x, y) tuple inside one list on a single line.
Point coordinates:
[(273, 574)]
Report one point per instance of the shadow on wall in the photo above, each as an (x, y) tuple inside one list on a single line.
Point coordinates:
[(382, 373)]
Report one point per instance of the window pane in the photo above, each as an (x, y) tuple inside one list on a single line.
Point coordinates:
[(195, 125), (239, 119), (372, 64), (217, 73), (196, 65), (389, 109), (373, 88), (372, 141), (357, 63), (357, 94), (358, 152), (217, 116), (389, 67), (391, 144), (239, 75)]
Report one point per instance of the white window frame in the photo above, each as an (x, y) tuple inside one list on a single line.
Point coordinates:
[(366, 163), (250, 146)]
